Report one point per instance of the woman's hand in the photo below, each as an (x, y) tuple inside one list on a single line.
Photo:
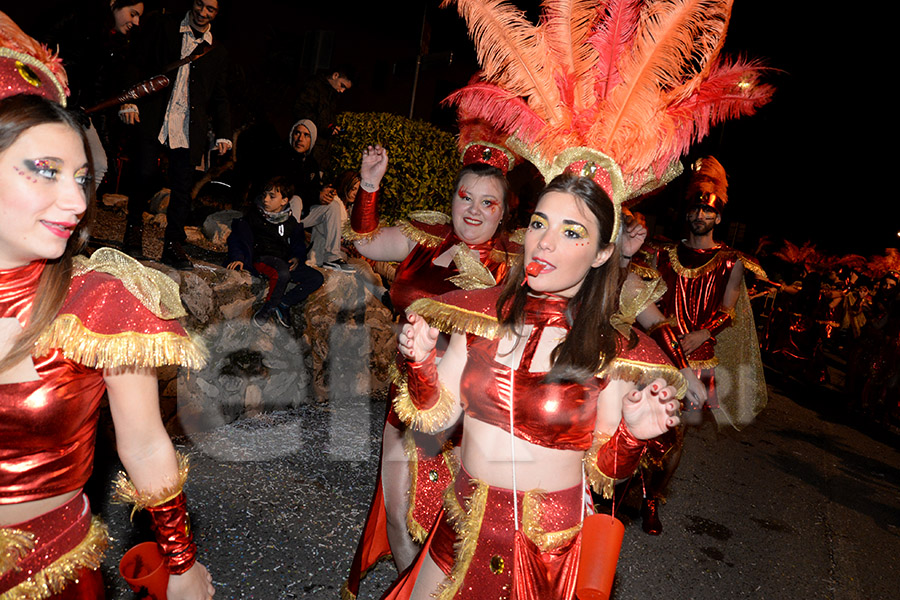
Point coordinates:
[(417, 339), (635, 233), (696, 391), (193, 584), (374, 166), (649, 412)]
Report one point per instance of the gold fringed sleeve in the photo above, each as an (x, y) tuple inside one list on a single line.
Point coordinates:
[(427, 414), (600, 482), (454, 319), (127, 493)]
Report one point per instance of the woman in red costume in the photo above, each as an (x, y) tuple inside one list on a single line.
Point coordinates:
[(70, 329), (437, 254), (537, 420)]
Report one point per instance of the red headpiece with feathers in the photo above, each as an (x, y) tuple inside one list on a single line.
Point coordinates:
[(616, 90)]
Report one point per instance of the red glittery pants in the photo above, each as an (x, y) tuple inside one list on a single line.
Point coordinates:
[(55, 534), (491, 555)]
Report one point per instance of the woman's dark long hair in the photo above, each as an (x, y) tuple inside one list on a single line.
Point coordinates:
[(18, 114), (591, 341)]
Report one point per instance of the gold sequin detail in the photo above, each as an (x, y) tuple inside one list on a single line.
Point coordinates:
[(497, 564)]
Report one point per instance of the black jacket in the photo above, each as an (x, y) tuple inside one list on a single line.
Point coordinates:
[(252, 236), (160, 46)]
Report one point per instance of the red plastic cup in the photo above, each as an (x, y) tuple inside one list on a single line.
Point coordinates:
[(142, 567), (601, 541)]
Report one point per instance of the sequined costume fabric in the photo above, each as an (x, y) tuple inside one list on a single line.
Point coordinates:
[(476, 543), (696, 279), (48, 425), (559, 416), (730, 366), (419, 277), (58, 555)]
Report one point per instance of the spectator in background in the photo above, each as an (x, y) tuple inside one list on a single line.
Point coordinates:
[(313, 204), (318, 102), (267, 241), (177, 119)]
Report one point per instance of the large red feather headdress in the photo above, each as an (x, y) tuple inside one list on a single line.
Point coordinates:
[(615, 90)]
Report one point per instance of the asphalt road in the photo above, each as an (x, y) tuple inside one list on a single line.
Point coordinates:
[(800, 505)]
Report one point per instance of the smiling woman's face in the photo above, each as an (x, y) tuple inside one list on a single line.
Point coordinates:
[(128, 17), (43, 183), (477, 208)]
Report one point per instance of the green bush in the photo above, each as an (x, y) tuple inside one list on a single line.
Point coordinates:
[(423, 163)]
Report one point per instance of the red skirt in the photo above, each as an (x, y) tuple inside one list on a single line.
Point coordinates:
[(476, 545), (58, 553)]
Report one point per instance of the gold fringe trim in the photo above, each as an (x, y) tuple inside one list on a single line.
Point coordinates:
[(430, 420), (547, 541), (88, 554), (634, 297), (15, 544), (415, 529), (346, 594), (642, 374), (420, 237), (430, 217), (454, 319), (467, 524), (518, 236), (643, 271), (473, 275), (155, 290), (348, 235), (126, 493), (129, 348), (710, 363), (599, 481), (712, 264)]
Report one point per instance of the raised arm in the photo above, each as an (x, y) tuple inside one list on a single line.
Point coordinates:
[(369, 238), (149, 458), (626, 418), (428, 399)]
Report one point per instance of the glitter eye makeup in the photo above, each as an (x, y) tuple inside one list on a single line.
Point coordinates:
[(82, 176), (537, 221), (45, 167), (575, 231), (462, 193)]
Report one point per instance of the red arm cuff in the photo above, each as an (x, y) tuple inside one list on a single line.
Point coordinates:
[(671, 347), (364, 218), (423, 383), (719, 321), (619, 457), (172, 527)]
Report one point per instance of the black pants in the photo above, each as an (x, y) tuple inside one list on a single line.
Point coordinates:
[(181, 180), (279, 274)]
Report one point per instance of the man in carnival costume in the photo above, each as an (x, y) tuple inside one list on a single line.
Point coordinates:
[(707, 307)]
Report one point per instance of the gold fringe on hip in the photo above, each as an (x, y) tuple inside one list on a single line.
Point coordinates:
[(547, 541), (51, 580), (467, 525), (14, 544)]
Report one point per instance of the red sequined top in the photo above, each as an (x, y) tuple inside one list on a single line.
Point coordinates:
[(560, 416), (48, 425), (418, 276)]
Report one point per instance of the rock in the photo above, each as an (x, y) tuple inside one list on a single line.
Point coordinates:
[(159, 203), (217, 226), (117, 202), (197, 296)]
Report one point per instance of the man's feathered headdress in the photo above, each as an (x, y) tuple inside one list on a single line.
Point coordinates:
[(615, 90), (28, 67)]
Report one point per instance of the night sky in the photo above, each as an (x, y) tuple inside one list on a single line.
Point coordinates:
[(805, 167)]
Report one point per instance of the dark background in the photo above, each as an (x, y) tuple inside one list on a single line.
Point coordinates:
[(804, 168)]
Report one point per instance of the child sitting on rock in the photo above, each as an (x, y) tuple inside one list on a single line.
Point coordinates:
[(269, 242)]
